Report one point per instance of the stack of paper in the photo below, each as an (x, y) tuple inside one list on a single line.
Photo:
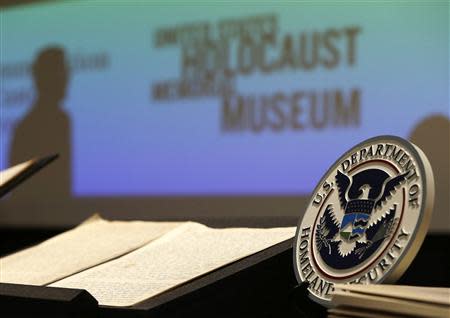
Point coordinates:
[(389, 301)]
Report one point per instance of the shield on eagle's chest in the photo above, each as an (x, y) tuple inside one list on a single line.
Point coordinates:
[(354, 225), (356, 219)]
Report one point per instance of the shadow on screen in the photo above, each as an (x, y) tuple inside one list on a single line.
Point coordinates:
[(45, 130), (432, 136)]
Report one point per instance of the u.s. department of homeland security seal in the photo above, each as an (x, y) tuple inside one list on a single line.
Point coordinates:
[(367, 217)]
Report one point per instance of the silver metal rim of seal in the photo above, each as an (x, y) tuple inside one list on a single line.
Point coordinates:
[(417, 236)]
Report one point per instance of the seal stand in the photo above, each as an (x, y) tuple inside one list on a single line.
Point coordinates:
[(303, 305)]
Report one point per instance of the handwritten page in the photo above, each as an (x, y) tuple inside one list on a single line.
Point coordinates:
[(91, 243), (177, 257)]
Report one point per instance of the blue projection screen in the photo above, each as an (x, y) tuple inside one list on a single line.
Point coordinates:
[(166, 100)]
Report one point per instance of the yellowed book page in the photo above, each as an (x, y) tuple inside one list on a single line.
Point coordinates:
[(437, 295), (10, 173), (389, 305), (360, 313), (91, 243), (179, 256)]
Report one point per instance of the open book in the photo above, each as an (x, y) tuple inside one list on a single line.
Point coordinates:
[(122, 263), (372, 301)]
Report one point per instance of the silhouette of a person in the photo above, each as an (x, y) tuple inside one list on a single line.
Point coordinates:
[(432, 135), (45, 130)]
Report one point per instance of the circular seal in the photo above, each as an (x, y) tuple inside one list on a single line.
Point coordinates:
[(367, 217)]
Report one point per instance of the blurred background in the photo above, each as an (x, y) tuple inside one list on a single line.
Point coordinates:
[(224, 113)]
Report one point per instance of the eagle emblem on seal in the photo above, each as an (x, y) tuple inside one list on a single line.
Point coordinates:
[(364, 200)]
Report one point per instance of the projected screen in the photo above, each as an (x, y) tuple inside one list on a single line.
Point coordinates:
[(199, 100)]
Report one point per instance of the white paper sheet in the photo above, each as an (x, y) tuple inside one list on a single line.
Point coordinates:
[(179, 256), (93, 242)]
